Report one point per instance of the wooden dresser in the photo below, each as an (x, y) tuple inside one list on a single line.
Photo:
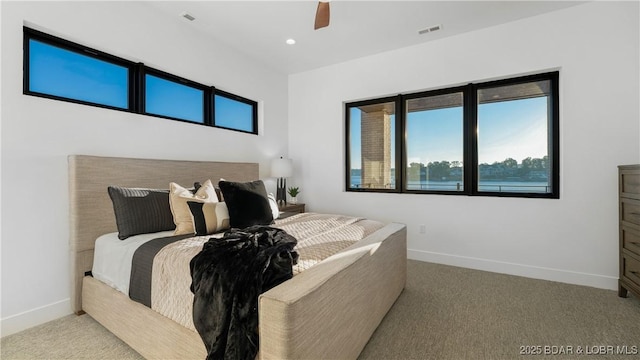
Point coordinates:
[(629, 198)]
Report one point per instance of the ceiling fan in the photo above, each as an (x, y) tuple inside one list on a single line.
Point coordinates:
[(322, 15)]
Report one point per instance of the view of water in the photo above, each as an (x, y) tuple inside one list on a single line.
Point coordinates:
[(493, 186)]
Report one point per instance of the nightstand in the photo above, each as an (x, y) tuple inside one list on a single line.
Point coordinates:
[(287, 210)]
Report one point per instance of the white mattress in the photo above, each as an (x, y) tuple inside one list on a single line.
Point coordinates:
[(112, 258)]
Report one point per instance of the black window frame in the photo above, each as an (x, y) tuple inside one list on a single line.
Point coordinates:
[(136, 82), (465, 143), (228, 95), (470, 140), (206, 94), (51, 40), (399, 130)]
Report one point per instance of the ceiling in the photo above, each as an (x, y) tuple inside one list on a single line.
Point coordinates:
[(357, 29)]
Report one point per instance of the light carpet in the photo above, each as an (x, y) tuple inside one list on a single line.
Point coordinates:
[(444, 313)]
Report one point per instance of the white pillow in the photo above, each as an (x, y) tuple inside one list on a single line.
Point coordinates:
[(178, 197), (274, 206)]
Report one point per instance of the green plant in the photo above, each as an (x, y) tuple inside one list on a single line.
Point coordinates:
[(293, 191)]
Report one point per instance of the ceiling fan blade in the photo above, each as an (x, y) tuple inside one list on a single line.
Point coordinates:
[(322, 15)]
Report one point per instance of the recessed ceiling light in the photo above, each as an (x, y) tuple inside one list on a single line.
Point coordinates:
[(290, 41)]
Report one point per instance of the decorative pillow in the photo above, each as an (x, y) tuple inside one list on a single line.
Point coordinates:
[(275, 211), (209, 218), (178, 198), (218, 191), (196, 186), (140, 211), (247, 203)]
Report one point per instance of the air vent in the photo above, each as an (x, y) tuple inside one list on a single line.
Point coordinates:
[(430, 29), (187, 16)]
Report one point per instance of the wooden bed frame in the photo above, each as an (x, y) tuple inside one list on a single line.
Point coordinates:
[(328, 311)]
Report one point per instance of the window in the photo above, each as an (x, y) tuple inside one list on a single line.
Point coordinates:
[(234, 112), (58, 69), (497, 138), (514, 146), (57, 72), (371, 151), (434, 142), (174, 99)]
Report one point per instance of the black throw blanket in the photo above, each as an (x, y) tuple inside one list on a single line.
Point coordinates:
[(227, 277)]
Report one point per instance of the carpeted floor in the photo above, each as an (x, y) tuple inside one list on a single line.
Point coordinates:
[(454, 313), (71, 337), (444, 313)]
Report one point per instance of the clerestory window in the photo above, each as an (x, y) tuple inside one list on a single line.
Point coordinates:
[(59, 69)]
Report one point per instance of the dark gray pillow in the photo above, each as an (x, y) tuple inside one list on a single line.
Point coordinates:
[(141, 211), (247, 203)]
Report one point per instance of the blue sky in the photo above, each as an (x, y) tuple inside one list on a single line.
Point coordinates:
[(68, 74), (168, 98), (434, 135), (509, 129), (233, 114), (519, 126)]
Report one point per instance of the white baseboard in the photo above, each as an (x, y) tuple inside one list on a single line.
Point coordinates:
[(22, 321), (535, 272)]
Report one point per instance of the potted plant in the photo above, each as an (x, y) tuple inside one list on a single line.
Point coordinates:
[(293, 193)]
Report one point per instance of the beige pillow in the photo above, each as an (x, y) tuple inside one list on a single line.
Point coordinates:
[(178, 197)]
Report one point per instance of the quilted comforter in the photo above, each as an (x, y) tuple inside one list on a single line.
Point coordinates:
[(319, 236)]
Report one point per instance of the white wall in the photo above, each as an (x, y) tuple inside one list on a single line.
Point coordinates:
[(38, 134), (574, 239)]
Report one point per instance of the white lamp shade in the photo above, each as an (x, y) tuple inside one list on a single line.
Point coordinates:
[(281, 168)]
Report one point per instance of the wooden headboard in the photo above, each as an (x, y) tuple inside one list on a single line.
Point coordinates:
[(90, 208)]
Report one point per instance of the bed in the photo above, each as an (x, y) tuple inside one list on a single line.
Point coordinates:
[(327, 311)]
